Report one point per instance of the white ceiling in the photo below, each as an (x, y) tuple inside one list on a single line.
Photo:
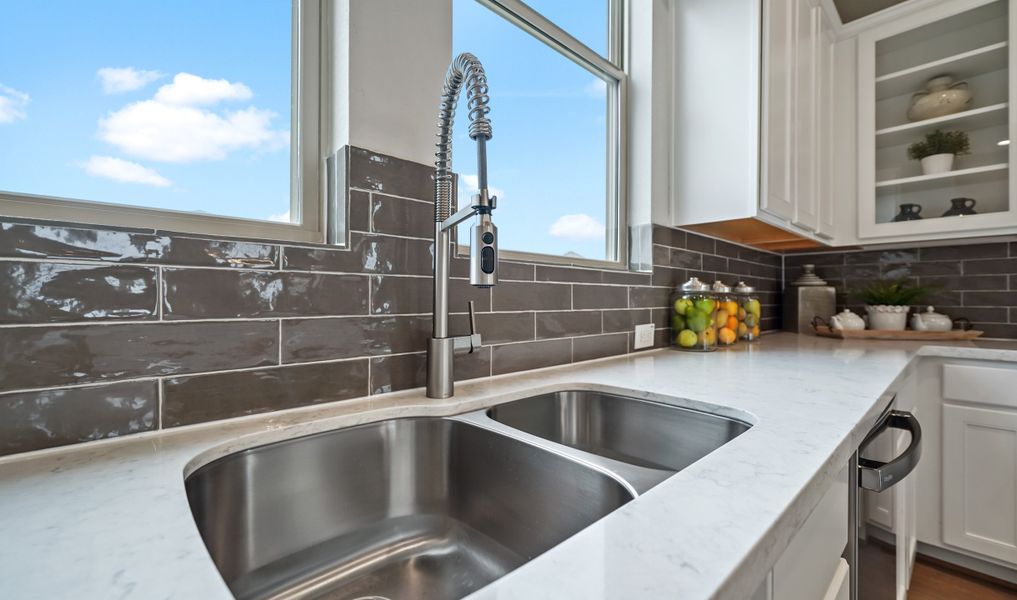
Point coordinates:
[(851, 10)]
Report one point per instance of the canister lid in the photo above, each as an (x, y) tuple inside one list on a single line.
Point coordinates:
[(694, 285), (721, 287), (809, 277), (744, 288)]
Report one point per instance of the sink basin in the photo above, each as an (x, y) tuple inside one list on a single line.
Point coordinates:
[(629, 430), (399, 509)]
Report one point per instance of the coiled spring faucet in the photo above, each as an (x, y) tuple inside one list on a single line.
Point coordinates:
[(464, 70)]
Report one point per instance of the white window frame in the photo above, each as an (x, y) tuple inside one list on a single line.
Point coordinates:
[(307, 206), (610, 69)]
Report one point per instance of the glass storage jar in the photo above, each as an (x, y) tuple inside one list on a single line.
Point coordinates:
[(726, 316), (693, 315), (749, 311)]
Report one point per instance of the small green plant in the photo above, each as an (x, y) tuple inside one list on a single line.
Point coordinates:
[(894, 292), (940, 142)]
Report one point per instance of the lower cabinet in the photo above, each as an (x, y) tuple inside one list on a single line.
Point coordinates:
[(980, 480), (811, 568)]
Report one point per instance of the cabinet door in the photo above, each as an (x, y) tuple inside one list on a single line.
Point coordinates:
[(827, 218), (778, 99), (806, 135), (980, 480)]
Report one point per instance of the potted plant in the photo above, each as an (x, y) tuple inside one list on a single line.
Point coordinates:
[(937, 150), (887, 302)]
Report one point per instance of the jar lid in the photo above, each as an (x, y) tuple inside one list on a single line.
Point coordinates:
[(694, 285), (720, 286), (744, 288), (809, 277)]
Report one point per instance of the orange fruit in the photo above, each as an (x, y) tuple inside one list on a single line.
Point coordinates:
[(755, 331), (726, 335), (732, 323), (731, 306)]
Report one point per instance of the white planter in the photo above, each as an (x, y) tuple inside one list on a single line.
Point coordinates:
[(887, 317), (937, 163)]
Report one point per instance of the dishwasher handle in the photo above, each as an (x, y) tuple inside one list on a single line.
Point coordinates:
[(878, 476)]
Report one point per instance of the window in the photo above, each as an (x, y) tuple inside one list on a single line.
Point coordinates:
[(191, 116), (557, 101)]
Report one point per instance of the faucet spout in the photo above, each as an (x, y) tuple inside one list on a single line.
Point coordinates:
[(465, 71)]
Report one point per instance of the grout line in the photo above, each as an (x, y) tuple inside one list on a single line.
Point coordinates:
[(280, 343)]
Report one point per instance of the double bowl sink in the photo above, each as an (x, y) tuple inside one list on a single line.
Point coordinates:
[(436, 507)]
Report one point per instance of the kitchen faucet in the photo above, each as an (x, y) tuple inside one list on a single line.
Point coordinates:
[(465, 69)]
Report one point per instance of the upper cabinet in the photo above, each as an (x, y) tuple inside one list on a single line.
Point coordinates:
[(753, 140), (935, 120)]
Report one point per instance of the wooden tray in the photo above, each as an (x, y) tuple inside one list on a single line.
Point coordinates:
[(886, 334)]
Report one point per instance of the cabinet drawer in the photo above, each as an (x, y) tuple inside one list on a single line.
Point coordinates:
[(985, 385)]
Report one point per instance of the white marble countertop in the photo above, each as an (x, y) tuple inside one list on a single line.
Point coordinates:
[(110, 519)]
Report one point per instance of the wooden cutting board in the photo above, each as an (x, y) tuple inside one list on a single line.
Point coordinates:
[(886, 334)]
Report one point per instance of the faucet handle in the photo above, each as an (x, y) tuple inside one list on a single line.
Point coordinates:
[(473, 317)]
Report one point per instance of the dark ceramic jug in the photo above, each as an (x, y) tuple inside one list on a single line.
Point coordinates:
[(960, 207), (908, 212)]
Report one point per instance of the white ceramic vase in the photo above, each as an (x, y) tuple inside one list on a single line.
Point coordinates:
[(937, 163), (887, 317)]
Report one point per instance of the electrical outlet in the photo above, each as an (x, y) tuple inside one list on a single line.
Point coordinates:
[(644, 336)]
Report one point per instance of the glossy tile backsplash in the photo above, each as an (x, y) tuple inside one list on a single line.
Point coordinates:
[(108, 331), (977, 281)]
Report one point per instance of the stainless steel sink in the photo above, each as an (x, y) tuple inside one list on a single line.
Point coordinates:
[(628, 430), (400, 509)]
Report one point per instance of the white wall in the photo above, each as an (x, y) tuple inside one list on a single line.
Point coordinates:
[(388, 65)]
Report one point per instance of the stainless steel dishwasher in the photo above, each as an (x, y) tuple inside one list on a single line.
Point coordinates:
[(881, 529)]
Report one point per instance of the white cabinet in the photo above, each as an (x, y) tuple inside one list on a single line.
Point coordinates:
[(752, 95), (968, 40), (980, 480), (811, 564)]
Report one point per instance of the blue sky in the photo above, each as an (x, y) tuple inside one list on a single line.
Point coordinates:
[(186, 105)]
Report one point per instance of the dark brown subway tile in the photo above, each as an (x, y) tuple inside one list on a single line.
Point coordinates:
[(39, 357), (599, 346), (516, 295), (391, 294), (990, 299), (647, 297), (667, 236), (497, 328), (367, 254), (35, 292), (965, 252), (628, 277), (881, 257), (668, 277), (625, 319), (202, 398), (726, 249), (55, 241), (996, 330), (966, 282), (661, 317), (390, 175), (399, 216), (700, 243), (218, 294), (568, 274), (349, 337), (58, 417), (507, 271), (715, 263), (360, 211), (990, 266), (568, 323), (683, 259), (531, 355), (661, 255), (599, 296), (982, 314)]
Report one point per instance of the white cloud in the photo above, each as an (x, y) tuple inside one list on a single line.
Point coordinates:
[(596, 88), (117, 80), (470, 185), (577, 227), (191, 90), (169, 128), (12, 104), (123, 171), (281, 217)]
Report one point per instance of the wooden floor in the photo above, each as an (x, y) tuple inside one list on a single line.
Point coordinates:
[(933, 582)]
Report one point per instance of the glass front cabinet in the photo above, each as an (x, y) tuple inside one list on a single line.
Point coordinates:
[(936, 117)]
